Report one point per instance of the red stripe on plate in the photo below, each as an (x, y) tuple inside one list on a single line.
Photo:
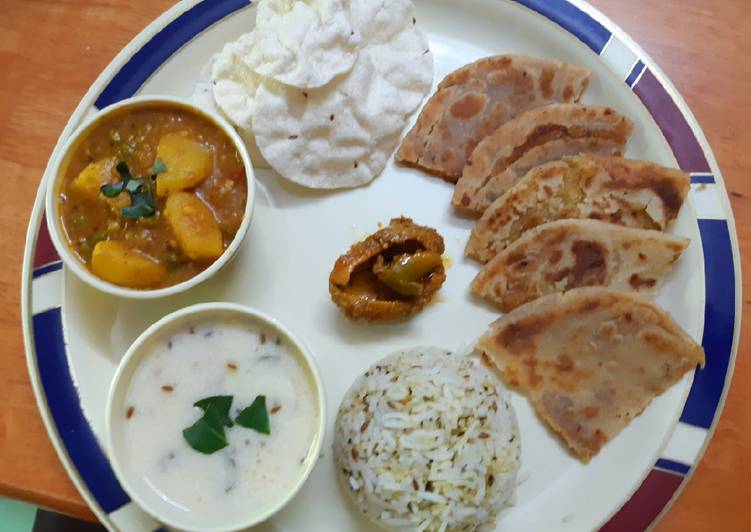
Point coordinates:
[(45, 252), (646, 503)]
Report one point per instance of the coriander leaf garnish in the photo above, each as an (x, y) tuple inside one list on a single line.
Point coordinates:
[(133, 185), (158, 167), (112, 189), (207, 434), (141, 199), (256, 416), (219, 404), (137, 211), (124, 171), (142, 205)]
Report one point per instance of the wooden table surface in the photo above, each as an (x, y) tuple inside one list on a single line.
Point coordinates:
[(52, 50)]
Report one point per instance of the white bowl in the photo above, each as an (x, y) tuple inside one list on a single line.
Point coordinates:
[(142, 492), (60, 160)]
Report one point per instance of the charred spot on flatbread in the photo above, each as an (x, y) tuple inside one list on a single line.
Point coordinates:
[(589, 268), (519, 337)]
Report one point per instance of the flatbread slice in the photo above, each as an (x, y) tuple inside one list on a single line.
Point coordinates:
[(632, 193), (566, 254), (589, 360), (536, 137), (551, 151), (471, 102)]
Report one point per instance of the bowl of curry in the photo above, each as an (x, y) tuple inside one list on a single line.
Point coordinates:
[(150, 197)]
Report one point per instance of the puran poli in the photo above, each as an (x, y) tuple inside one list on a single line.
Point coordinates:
[(536, 137), (589, 360), (566, 254), (551, 151), (471, 102), (632, 193)]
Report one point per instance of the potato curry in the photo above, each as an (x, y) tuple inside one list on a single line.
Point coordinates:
[(152, 196)]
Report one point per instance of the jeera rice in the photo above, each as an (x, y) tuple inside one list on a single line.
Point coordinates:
[(428, 440)]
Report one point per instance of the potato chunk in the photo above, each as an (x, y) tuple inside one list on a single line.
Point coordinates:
[(95, 175), (194, 226), (118, 264), (188, 163), (120, 201)]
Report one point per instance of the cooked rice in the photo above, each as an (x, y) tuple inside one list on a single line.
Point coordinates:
[(427, 440)]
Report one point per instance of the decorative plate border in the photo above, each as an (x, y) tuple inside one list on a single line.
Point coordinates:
[(42, 279)]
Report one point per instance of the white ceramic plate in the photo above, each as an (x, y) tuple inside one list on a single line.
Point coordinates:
[(75, 336)]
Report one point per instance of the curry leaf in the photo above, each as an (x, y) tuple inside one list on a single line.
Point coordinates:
[(158, 167), (112, 189), (141, 199), (133, 185), (207, 434), (219, 404), (142, 205), (124, 171), (255, 416), (141, 210)]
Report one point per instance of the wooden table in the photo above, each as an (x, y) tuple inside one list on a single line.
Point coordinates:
[(52, 50)]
